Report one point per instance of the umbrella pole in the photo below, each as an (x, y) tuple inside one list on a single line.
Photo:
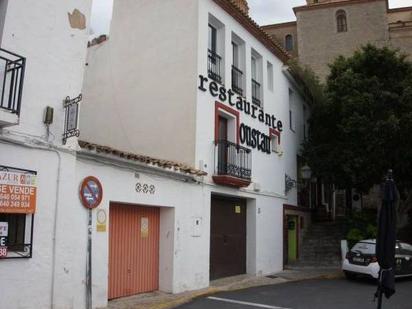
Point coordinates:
[(380, 293)]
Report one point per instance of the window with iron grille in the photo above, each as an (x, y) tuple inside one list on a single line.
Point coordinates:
[(341, 21), (214, 64)]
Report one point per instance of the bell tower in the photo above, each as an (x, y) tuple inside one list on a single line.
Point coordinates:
[(242, 5)]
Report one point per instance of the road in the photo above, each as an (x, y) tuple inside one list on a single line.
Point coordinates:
[(308, 294)]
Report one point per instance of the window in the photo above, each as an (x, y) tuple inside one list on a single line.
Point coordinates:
[(212, 38), (289, 42), (214, 65), (275, 143), (341, 22), (16, 224), (291, 110), (237, 74), (256, 70), (235, 51), (270, 76)]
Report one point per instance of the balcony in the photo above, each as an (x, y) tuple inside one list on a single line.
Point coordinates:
[(237, 80), (233, 164), (12, 68), (256, 97), (214, 66)]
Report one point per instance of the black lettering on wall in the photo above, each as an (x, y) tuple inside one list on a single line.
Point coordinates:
[(222, 94), (213, 88), (268, 120), (261, 116), (231, 94), (239, 104), (280, 126), (203, 80), (273, 122), (247, 107), (254, 109), (254, 138)]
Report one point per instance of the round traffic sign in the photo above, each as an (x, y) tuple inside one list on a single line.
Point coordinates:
[(91, 192)]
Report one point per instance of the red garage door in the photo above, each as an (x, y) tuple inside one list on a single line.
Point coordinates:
[(133, 250)]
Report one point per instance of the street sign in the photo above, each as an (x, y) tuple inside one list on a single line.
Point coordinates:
[(91, 192)]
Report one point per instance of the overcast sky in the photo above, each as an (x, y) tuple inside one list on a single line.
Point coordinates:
[(262, 11)]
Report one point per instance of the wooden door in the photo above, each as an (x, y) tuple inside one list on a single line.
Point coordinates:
[(227, 237), (133, 250)]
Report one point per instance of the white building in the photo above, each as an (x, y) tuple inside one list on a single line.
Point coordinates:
[(162, 86), (197, 82), (44, 262)]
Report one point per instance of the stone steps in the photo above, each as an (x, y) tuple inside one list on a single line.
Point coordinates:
[(321, 246)]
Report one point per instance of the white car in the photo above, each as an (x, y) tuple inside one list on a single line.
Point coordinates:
[(361, 260)]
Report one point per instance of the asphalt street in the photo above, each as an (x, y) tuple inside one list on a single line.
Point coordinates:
[(308, 294)]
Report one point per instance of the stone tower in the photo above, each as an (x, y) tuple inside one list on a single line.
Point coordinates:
[(243, 6)]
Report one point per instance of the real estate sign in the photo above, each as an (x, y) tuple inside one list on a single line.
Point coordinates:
[(17, 191)]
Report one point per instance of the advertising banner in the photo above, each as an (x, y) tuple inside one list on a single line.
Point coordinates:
[(17, 191)]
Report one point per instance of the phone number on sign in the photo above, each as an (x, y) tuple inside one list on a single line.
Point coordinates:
[(3, 252)]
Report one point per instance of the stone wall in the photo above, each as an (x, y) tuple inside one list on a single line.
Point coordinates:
[(320, 43), (279, 32)]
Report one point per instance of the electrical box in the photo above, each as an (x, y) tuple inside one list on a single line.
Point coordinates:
[(196, 227)]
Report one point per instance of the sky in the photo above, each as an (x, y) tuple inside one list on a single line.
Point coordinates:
[(262, 11)]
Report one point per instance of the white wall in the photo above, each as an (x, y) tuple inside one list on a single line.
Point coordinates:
[(184, 258), (140, 82), (55, 57), (56, 258), (265, 208)]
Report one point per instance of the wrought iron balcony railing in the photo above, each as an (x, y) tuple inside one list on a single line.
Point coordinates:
[(237, 80), (214, 66), (256, 97), (12, 68), (233, 160)]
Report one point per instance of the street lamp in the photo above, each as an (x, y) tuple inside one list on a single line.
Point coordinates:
[(306, 172)]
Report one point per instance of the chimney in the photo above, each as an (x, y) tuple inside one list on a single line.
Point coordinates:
[(242, 5)]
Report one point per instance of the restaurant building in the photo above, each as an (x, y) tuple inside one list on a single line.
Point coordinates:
[(213, 91), (173, 162)]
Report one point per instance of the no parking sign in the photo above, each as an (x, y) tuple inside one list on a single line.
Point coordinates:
[(91, 192)]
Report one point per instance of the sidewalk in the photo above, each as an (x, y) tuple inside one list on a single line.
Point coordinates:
[(160, 300)]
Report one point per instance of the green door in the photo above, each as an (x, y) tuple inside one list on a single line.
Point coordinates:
[(292, 238)]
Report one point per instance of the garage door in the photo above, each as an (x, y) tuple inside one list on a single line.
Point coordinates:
[(133, 250), (227, 237)]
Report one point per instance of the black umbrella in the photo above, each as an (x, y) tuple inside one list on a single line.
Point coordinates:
[(386, 240)]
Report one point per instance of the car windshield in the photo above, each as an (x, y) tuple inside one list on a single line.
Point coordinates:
[(364, 247), (406, 248)]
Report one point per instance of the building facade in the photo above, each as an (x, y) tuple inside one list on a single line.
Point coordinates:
[(213, 91), (327, 29), (157, 160)]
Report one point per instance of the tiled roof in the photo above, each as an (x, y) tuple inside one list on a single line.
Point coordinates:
[(249, 24), (166, 164)]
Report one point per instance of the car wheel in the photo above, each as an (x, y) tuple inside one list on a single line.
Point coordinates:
[(349, 275)]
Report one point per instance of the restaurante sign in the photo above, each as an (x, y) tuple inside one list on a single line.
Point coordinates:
[(249, 136)]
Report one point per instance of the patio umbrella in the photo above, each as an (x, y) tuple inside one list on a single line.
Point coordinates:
[(386, 240)]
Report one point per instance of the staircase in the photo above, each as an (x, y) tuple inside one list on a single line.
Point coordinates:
[(321, 245)]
